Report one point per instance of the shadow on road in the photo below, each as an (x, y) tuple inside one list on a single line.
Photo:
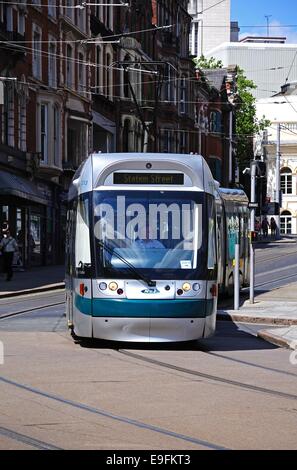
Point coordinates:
[(228, 337)]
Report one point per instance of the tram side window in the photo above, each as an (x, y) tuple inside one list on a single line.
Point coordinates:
[(211, 257), (69, 241), (82, 238)]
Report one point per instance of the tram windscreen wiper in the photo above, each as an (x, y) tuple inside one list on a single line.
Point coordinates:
[(132, 268)]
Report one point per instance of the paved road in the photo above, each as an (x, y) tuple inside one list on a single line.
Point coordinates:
[(276, 265), (232, 391)]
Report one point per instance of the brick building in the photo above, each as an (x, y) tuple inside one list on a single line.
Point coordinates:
[(78, 78)]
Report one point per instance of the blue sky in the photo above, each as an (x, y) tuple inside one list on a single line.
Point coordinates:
[(252, 12)]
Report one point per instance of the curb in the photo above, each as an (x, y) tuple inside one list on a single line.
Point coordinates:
[(35, 290), (256, 319), (275, 339)]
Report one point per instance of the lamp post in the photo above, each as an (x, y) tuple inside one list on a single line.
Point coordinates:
[(277, 180)]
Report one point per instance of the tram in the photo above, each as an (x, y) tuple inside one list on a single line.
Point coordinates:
[(148, 244)]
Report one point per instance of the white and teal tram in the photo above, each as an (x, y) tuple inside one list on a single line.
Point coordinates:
[(143, 248)]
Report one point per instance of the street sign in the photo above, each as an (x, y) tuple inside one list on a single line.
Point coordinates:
[(253, 205)]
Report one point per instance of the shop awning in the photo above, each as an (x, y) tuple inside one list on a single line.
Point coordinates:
[(13, 185)]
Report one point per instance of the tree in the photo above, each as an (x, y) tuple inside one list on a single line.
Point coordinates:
[(247, 125)]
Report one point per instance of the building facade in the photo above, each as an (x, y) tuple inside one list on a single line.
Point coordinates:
[(282, 109), (266, 63), (210, 25)]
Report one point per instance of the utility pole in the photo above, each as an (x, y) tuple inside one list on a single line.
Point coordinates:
[(277, 179), (252, 229)]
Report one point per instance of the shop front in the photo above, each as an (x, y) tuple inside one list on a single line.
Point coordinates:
[(30, 210)]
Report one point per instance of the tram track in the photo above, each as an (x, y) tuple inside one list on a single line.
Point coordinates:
[(214, 378), (264, 259), (114, 417), (29, 310), (24, 439)]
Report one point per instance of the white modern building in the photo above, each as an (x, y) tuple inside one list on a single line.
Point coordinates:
[(210, 25), (266, 63), (282, 109)]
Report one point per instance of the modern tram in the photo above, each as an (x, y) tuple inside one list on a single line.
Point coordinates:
[(150, 242)]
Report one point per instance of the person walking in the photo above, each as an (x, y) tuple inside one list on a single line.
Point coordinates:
[(8, 247), (273, 227), (265, 226)]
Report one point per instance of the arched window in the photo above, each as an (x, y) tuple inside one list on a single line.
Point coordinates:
[(286, 222), (286, 180)]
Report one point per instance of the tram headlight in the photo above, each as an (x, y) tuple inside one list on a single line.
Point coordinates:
[(196, 286), (102, 286), (187, 287), (113, 286)]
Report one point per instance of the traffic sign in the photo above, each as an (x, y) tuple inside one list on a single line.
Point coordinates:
[(253, 205)]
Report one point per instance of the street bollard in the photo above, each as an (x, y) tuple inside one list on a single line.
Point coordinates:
[(236, 278)]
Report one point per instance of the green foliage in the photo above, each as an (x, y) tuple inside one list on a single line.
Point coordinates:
[(247, 123), (211, 63)]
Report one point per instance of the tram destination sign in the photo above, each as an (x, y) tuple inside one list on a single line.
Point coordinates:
[(148, 178)]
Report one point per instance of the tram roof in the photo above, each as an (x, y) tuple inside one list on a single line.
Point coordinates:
[(98, 166)]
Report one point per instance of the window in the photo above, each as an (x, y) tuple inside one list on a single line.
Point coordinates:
[(8, 115), (168, 141), (183, 139), (82, 237), (69, 66), (286, 181), (126, 78), (52, 65), (98, 69), (56, 131), (169, 84), (37, 52), (22, 122), (9, 19), (21, 23), (81, 73), (81, 22), (183, 95), (215, 122), (286, 223), (68, 9), (126, 135), (52, 8), (44, 132), (109, 81)]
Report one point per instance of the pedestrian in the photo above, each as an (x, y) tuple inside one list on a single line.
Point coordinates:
[(8, 247), (265, 226), (273, 227), (257, 229)]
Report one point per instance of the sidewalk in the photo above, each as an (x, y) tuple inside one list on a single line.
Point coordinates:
[(37, 279), (277, 307)]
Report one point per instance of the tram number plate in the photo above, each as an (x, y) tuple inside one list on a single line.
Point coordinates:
[(148, 178)]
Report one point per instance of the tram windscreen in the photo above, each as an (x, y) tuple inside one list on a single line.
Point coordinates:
[(157, 232)]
